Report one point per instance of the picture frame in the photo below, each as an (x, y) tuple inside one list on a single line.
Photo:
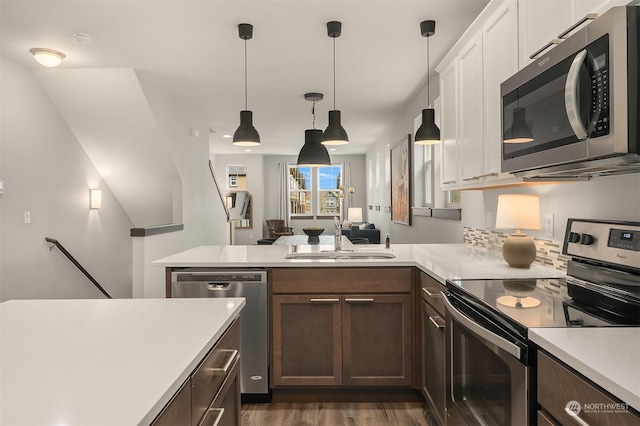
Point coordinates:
[(401, 181)]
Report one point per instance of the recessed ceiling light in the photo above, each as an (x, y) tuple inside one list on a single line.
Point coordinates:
[(47, 57), (247, 150), (332, 149), (226, 136)]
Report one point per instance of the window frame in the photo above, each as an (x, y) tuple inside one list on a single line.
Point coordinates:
[(314, 190)]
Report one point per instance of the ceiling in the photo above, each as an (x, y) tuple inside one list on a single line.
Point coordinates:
[(192, 49)]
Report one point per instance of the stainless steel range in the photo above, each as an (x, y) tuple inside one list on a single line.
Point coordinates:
[(491, 362)]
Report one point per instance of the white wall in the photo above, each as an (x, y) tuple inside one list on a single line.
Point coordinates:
[(48, 173), (202, 214), (612, 197)]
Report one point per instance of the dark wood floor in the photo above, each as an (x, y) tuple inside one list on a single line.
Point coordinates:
[(337, 414)]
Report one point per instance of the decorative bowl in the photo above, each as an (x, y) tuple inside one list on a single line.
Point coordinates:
[(314, 234)]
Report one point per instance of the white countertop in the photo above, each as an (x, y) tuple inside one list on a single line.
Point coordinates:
[(441, 261), (102, 362), (609, 356)]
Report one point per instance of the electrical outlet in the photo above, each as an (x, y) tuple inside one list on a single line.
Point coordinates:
[(548, 224), (27, 216)]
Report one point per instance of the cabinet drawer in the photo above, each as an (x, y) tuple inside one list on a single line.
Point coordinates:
[(557, 385), (430, 292), (212, 372), (224, 409), (341, 280)]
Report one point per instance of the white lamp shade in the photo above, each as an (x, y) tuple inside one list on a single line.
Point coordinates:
[(354, 214), (518, 211), (47, 57)]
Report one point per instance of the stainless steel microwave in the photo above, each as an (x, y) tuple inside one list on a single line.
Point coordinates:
[(574, 112)]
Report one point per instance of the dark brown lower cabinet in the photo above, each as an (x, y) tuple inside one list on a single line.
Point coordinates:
[(560, 387), (342, 327), (432, 327)]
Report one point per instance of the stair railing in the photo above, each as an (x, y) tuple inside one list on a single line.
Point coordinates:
[(224, 205), (56, 243)]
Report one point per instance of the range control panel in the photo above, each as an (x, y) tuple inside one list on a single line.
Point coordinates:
[(604, 241)]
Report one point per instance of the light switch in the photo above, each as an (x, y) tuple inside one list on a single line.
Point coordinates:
[(27, 216), (548, 224)]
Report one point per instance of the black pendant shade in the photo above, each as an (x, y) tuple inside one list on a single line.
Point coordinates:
[(428, 133), (519, 132), (335, 134), (313, 153), (246, 134)]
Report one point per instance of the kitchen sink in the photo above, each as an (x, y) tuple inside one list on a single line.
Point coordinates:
[(360, 253)]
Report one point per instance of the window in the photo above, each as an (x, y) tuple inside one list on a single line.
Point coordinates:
[(428, 175), (315, 191)]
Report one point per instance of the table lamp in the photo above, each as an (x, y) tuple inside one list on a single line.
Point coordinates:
[(354, 214), (518, 211)]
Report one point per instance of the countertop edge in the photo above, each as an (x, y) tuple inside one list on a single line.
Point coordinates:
[(573, 360)]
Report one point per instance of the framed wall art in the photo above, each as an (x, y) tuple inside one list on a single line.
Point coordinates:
[(401, 181)]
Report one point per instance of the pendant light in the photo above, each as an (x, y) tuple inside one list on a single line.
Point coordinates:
[(428, 133), (334, 134), (246, 134), (519, 132), (313, 153)]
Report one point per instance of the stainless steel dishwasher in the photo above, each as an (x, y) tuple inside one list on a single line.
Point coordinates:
[(254, 343)]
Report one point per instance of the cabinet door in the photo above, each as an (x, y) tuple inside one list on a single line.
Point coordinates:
[(433, 361), (449, 120), (500, 49), (471, 137), (377, 343), (307, 347), (540, 22)]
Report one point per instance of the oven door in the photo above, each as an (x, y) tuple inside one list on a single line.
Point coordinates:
[(488, 382)]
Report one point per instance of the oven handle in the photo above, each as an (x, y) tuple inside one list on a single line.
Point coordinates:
[(571, 96), (502, 343)]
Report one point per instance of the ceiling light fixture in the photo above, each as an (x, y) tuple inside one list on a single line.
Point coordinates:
[(334, 134), (246, 134), (47, 57), (428, 133), (313, 152)]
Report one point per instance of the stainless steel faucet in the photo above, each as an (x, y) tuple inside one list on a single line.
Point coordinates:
[(337, 234)]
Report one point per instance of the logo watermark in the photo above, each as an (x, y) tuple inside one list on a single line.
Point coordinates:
[(597, 407)]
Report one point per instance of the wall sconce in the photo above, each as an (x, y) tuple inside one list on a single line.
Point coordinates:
[(95, 198), (518, 211)]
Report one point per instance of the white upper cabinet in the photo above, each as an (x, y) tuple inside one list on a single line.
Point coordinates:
[(471, 118), (449, 155), (540, 22), (543, 20), (500, 61)]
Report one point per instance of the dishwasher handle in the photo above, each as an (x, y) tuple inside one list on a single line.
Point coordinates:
[(218, 286)]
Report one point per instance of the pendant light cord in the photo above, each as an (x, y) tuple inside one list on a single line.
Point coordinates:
[(334, 73), (313, 112), (428, 79), (245, 76)]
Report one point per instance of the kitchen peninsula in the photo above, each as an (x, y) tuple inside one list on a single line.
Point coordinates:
[(104, 362), (350, 282)]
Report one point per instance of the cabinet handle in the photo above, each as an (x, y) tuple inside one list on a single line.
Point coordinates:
[(576, 417), (471, 178), (432, 295), (488, 174), (368, 300), (324, 300), (449, 181), (216, 421), (225, 368), (437, 321)]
